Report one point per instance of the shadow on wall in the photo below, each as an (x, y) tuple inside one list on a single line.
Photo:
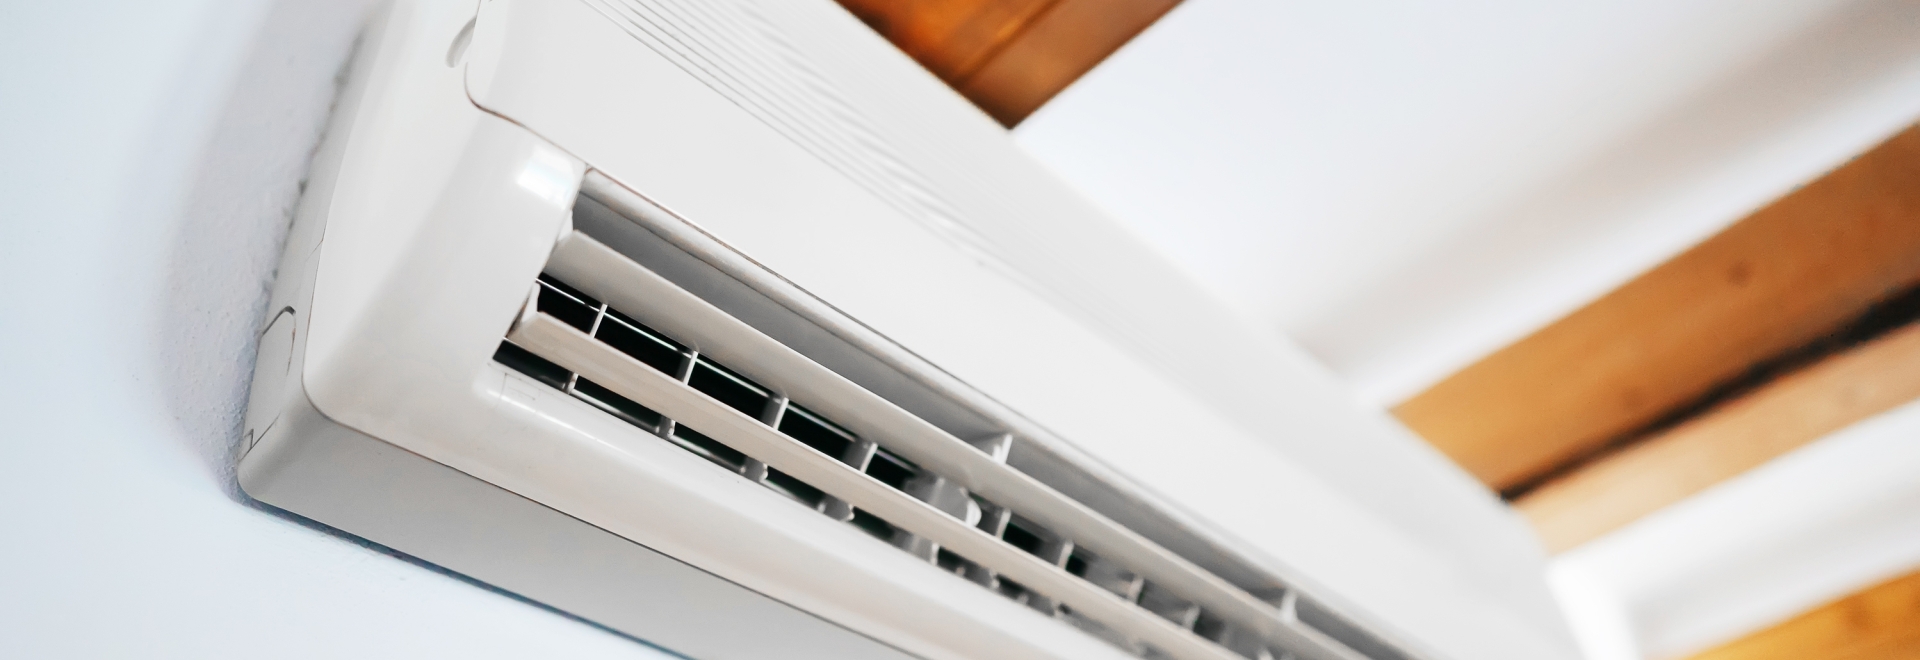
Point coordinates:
[(248, 178)]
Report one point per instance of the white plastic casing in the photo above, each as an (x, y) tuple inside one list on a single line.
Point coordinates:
[(447, 177)]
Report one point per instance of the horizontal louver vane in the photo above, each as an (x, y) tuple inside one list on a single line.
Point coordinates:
[(722, 390)]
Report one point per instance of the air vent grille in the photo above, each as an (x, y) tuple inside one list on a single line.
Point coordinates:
[(1033, 546), (567, 305), (654, 349)]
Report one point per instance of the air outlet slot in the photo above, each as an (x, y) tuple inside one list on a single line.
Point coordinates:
[(891, 470), (622, 407), (795, 488), (628, 336), (728, 388), (816, 432), (708, 448), (622, 339), (534, 366), (568, 305)]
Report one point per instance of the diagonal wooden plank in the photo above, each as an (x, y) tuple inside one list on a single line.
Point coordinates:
[(1779, 278), (1879, 623), (1009, 56), (951, 38), (1055, 50), (1727, 440)]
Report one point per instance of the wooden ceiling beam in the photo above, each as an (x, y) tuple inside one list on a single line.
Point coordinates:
[(1879, 623), (1730, 439), (1009, 56), (1778, 279)]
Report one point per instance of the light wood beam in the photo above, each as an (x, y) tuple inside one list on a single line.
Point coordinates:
[(1780, 278), (1009, 56), (1730, 439), (1056, 49), (951, 38), (1880, 623)]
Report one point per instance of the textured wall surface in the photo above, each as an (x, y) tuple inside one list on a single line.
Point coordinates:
[(150, 156)]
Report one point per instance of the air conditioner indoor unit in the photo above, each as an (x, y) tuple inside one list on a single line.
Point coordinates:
[(722, 324)]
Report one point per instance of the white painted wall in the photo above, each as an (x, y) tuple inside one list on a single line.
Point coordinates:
[(150, 153)]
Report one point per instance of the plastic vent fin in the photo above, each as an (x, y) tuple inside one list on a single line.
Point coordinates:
[(621, 338)]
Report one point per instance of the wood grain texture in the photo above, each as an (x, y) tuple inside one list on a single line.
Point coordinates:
[(1009, 56), (1880, 623), (1730, 439), (951, 38), (1775, 280), (1056, 49)]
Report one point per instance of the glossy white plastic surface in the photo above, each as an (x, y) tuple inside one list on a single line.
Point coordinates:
[(412, 255), (450, 175), (1038, 300)]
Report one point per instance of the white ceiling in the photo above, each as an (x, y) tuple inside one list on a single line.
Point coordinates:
[(1405, 186), (1810, 527)]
